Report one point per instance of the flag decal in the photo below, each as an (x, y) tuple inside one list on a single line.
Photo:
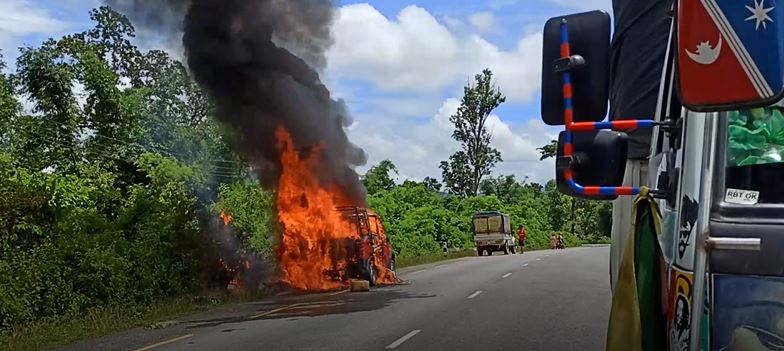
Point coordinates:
[(730, 52)]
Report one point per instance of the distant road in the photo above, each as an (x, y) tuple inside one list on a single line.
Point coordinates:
[(543, 300)]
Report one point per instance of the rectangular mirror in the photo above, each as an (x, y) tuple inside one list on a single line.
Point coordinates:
[(730, 54), (599, 159), (589, 37)]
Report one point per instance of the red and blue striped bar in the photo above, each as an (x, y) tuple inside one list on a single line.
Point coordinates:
[(572, 126), (567, 77), (613, 125)]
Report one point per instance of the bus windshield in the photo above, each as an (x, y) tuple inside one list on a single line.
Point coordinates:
[(755, 156)]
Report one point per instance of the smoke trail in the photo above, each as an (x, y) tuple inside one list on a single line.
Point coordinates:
[(259, 60)]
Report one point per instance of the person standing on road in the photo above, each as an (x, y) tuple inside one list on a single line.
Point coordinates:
[(521, 238)]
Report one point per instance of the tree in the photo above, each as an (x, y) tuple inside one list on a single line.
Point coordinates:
[(505, 187), (378, 177), (465, 169), (431, 184), (9, 107), (549, 150), (558, 207), (120, 216)]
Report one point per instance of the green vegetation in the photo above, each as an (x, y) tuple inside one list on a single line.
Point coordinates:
[(108, 178), (112, 175), (756, 136), (419, 220), (465, 169)]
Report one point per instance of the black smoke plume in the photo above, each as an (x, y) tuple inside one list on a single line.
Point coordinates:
[(259, 61)]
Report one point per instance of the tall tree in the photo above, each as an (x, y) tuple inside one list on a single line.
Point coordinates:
[(431, 184), (549, 150), (465, 169), (9, 107), (379, 177)]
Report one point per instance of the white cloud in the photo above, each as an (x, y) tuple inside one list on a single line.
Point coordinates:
[(447, 109), (416, 53), (21, 17), (417, 149), (484, 22), (454, 24)]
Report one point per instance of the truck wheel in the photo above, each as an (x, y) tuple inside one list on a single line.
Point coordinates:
[(489, 252), (480, 251), (506, 249)]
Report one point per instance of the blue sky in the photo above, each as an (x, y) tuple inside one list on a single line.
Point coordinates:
[(401, 66)]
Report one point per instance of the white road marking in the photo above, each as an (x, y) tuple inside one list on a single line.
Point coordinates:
[(338, 292), (404, 338), (506, 275), (525, 264), (419, 271), (538, 258), (164, 342), (475, 294)]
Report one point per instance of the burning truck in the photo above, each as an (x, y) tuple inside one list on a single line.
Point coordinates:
[(259, 63), (370, 255)]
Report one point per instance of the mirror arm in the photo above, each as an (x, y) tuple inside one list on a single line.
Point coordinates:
[(570, 63), (564, 65)]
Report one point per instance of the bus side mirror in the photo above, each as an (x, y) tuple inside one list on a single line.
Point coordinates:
[(599, 158), (589, 41)]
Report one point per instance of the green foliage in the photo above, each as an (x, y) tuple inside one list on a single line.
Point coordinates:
[(9, 107), (756, 136), (252, 212), (549, 150), (94, 209), (379, 177), (431, 184), (69, 245), (465, 169), (418, 220)]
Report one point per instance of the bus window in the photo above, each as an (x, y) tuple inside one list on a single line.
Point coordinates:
[(755, 156)]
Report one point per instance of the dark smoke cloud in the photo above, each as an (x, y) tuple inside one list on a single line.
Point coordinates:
[(259, 62)]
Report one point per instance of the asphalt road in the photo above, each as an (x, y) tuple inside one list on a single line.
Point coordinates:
[(544, 300)]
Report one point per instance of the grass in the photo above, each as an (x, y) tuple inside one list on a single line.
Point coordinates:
[(49, 333)]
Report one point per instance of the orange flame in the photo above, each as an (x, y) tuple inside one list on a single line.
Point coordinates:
[(385, 275), (309, 249), (226, 218)]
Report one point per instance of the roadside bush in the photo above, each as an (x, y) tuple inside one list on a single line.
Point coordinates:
[(66, 247), (418, 219), (252, 210)]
